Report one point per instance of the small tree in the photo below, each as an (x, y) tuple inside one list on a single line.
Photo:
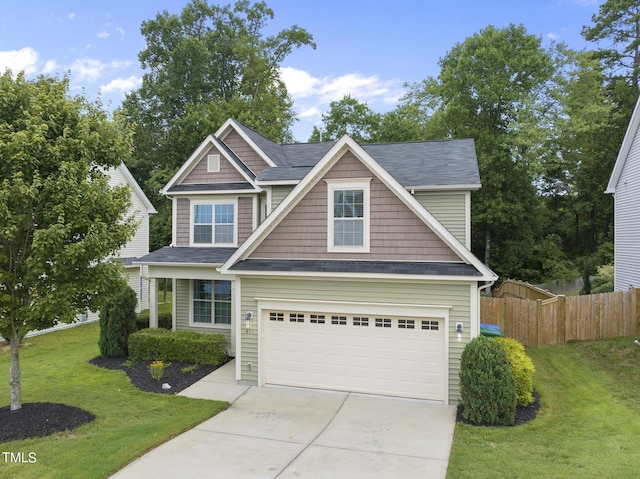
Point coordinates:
[(59, 219), (522, 369), (117, 322), (486, 383)]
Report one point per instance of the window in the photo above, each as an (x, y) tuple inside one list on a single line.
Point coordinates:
[(383, 322), (360, 321), (214, 223), (211, 302), (406, 324), (213, 163), (316, 318), (296, 318), (348, 228), (432, 325), (340, 320), (276, 316)]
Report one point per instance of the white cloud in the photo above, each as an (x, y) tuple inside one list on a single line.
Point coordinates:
[(18, 60), (50, 66), (312, 95), (122, 85), (120, 30), (90, 70), (102, 35), (71, 15), (554, 37)]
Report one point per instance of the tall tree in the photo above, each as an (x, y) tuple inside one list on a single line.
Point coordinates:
[(490, 87), (618, 21), (348, 116), (203, 66), (59, 219)]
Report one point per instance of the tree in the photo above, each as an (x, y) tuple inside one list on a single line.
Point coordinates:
[(59, 220), (491, 87), (351, 117), (619, 22), (203, 66), (117, 322)]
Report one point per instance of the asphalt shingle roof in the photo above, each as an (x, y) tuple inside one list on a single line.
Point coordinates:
[(188, 255), (333, 266), (211, 187), (442, 163)]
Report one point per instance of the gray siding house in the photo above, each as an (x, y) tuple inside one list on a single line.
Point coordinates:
[(624, 184), (328, 265)]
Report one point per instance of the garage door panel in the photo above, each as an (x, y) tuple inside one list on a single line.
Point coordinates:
[(351, 353)]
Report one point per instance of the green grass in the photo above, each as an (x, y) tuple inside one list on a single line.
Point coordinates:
[(587, 426), (128, 422)]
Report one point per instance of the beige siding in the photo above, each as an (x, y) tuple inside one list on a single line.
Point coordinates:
[(183, 308), (183, 221), (247, 154), (449, 209), (245, 218), (455, 295), (396, 233), (278, 193), (200, 175)]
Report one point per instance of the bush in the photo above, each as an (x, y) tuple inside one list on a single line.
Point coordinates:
[(183, 346), (117, 322), (522, 369), (165, 320), (486, 383)]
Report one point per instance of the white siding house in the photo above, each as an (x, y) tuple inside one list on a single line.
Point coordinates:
[(624, 184)]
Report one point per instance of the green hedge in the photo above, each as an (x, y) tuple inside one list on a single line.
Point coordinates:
[(183, 346), (164, 320), (522, 369)]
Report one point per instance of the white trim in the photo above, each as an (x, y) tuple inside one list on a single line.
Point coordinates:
[(213, 203), (474, 311), (316, 173), (276, 182), (236, 288), (213, 194), (337, 275), (350, 184), (444, 187), (223, 131), (255, 212), (174, 221), (269, 200)]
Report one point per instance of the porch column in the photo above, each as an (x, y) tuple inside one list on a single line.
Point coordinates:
[(153, 303)]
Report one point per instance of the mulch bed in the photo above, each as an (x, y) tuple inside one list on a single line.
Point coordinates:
[(43, 419), (524, 414)]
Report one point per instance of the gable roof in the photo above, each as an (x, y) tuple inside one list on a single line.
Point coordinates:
[(173, 185), (318, 171), (136, 188), (623, 154)]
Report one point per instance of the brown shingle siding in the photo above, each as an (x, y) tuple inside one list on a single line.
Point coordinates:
[(183, 221), (199, 174), (247, 154)]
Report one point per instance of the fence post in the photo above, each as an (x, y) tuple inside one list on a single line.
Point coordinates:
[(561, 315), (637, 311)]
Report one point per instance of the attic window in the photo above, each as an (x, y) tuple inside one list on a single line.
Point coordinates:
[(348, 218), (213, 163)]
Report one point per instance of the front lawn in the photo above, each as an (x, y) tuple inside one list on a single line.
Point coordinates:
[(128, 422), (587, 426)]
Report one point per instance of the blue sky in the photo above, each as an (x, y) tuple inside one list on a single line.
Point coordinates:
[(366, 48)]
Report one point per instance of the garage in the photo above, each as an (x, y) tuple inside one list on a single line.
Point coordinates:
[(357, 348)]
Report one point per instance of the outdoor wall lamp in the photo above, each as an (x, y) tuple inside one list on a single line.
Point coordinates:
[(247, 319), (459, 329)]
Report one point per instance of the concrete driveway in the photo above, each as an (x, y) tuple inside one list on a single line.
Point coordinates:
[(275, 432)]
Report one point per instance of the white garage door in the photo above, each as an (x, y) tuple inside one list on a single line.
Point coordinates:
[(397, 356)]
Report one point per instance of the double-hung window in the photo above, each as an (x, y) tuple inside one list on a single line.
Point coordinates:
[(214, 224), (211, 302), (348, 218)]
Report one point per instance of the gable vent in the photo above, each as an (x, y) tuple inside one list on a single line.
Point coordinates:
[(213, 163)]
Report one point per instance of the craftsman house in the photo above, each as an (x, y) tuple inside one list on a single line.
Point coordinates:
[(327, 265)]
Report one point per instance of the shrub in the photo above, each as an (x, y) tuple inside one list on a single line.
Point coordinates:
[(486, 383), (522, 369), (117, 322), (157, 370), (183, 346), (164, 320)]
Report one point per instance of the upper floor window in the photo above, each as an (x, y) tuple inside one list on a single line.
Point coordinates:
[(348, 218), (214, 224)]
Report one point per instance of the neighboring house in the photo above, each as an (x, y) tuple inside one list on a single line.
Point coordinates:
[(138, 246), (624, 184), (328, 265)]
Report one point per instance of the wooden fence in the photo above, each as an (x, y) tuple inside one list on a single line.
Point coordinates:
[(561, 319), (519, 289)]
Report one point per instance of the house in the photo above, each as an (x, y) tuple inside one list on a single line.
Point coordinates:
[(327, 265), (624, 184), (137, 246)]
